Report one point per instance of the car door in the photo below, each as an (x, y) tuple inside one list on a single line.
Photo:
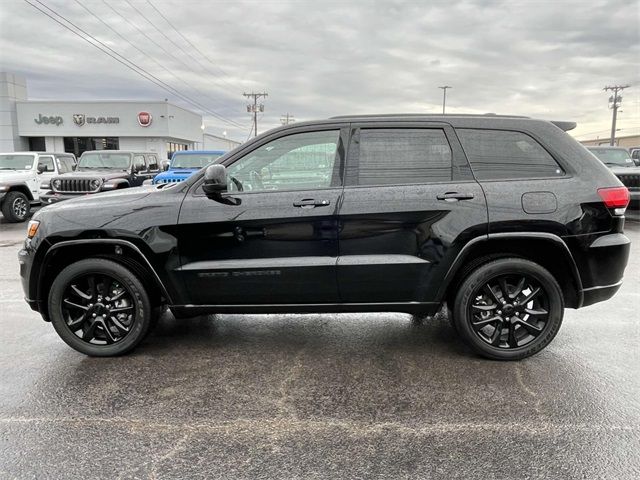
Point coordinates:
[(274, 239), (409, 204), (46, 169)]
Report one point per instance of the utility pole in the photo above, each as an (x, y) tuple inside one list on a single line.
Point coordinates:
[(444, 96), (286, 119), (254, 108), (615, 100)]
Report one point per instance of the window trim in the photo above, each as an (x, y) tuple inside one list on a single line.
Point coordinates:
[(458, 159), (567, 171), (344, 139)]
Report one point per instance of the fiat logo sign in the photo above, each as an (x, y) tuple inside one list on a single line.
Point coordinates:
[(144, 119)]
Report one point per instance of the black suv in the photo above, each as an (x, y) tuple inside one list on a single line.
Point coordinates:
[(101, 171), (507, 219)]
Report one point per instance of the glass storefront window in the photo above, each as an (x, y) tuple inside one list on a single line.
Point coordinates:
[(78, 145)]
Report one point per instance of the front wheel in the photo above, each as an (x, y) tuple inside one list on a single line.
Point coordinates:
[(509, 309), (16, 207), (99, 308)]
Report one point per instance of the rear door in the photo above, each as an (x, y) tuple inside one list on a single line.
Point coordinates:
[(275, 241), (409, 204)]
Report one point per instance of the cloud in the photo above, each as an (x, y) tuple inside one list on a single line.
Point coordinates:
[(546, 59)]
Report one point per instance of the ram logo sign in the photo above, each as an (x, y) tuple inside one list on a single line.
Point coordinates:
[(79, 119)]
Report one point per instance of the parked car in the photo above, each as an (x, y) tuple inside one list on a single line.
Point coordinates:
[(185, 163), (102, 171), (508, 220), (619, 160), (635, 155), (22, 173)]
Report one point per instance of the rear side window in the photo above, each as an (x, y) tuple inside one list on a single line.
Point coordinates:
[(153, 162), (498, 155), (398, 156)]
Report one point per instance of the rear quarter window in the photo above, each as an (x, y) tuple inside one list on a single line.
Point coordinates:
[(501, 155)]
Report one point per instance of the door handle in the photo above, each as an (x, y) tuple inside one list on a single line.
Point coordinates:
[(311, 203), (454, 196)]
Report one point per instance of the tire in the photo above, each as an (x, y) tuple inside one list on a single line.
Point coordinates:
[(503, 326), (99, 333), (16, 207)]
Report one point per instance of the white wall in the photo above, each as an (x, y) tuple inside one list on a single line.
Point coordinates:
[(12, 88)]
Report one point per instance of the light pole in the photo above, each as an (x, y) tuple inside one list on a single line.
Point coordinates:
[(444, 96), (202, 128)]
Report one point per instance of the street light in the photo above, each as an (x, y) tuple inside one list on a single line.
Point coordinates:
[(202, 128)]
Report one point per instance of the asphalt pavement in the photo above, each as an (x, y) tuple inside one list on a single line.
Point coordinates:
[(319, 396)]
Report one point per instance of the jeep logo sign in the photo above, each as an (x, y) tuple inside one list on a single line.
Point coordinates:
[(50, 120), (144, 119)]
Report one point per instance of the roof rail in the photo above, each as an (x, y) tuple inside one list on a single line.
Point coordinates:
[(430, 115)]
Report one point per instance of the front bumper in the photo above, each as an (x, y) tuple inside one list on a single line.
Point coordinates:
[(50, 197)]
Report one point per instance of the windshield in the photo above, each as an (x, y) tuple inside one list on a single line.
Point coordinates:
[(110, 161), (16, 162), (613, 157), (194, 160)]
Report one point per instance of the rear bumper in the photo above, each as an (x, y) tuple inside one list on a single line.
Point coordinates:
[(602, 267)]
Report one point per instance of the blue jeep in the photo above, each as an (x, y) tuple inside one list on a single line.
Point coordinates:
[(185, 163)]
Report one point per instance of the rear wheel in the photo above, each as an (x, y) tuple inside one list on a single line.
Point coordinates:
[(509, 309), (99, 307), (16, 207)]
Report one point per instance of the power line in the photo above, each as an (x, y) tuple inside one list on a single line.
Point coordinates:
[(174, 43), (189, 42), (123, 60), (143, 52)]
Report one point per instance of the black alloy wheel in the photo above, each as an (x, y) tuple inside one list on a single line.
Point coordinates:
[(99, 307), (508, 309)]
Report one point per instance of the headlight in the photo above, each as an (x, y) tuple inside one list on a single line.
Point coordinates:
[(56, 184), (32, 228), (95, 184)]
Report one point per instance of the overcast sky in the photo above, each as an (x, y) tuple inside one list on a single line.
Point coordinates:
[(547, 59)]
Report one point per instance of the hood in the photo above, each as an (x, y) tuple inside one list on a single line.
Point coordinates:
[(8, 176), (181, 173), (103, 174)]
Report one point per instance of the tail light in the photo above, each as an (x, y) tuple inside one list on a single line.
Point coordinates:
[(615, 197)]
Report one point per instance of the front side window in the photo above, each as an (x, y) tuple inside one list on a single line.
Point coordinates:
[(153, 162), (296, 162), (45, 164), (65, 164), (498, 155), (398, 156), (139, 164), (102, 161)]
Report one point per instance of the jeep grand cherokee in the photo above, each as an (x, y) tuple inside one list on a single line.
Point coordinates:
[(507, 219)]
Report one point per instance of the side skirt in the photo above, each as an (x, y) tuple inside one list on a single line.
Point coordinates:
[(415, 308)]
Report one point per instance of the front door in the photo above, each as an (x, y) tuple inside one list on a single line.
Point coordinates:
[(409, 203), (275, 240)]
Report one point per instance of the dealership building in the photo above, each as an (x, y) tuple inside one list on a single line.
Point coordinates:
[(69, 126)]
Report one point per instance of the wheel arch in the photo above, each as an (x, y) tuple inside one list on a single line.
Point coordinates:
[(22, 188), (120, 251), (545, 249)]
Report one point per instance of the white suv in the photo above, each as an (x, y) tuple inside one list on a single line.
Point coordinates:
[(21, 176)]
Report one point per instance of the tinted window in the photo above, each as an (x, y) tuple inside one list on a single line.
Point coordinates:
[(295, 162), (45, 164), (400, 156), (153, 162), (496, 154)]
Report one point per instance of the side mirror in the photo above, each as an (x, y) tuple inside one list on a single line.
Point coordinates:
[(215, 180), (41, 168), (165, 166)]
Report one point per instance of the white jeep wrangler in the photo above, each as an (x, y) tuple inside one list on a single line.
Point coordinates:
[(21, 177)]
